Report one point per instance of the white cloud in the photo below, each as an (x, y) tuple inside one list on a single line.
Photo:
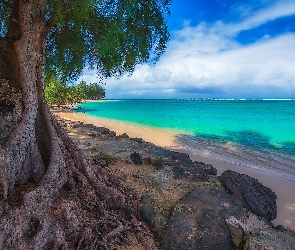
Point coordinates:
[(206, 61), (278, 10)]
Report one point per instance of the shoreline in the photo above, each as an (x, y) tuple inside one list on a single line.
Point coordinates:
[(283, 187)]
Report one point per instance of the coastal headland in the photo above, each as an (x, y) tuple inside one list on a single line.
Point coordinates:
[(280, 181)]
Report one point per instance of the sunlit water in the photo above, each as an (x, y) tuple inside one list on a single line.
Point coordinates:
[(263, 129)]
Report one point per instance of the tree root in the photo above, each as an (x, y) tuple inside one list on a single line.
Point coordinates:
[(51, 197)]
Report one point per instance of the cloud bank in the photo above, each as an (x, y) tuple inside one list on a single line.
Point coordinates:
[(205, 61)]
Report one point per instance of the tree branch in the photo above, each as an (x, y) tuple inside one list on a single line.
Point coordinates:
[(14, 29), (39, 3)]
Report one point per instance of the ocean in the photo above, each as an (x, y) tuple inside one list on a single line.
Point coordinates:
[(265, 124), (263, 130)]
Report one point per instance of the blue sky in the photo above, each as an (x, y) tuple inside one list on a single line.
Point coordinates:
[(219, 49)]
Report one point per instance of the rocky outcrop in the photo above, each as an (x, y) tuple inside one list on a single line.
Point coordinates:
[(256, 197), (183, 202), (198, 220), (250, 232), (197, 171), (183, 166), (211, 218)]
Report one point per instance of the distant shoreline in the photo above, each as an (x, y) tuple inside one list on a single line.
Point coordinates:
[(283, 187)]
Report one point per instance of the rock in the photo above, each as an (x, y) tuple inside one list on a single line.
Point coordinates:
[(281, 228), (213, 233), (256, 197), (254, 223), (124, 135), (159, 180), (179, 233), (248, 224), (92, 134), (238, 230), (197, 171), (270, 239), (206, 169), (146, 209), (136, 158), (139, 140), (183, 166), (159, 224), (160, 166), (198, 220), (101, 161), (251, 232)]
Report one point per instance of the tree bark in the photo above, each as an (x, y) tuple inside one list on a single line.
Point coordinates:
[(50, 196)]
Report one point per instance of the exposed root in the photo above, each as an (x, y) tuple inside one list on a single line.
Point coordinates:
[(52, 197), (141, 233), (115, 232)]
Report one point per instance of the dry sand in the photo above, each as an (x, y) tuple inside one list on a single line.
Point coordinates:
[(284, 187)]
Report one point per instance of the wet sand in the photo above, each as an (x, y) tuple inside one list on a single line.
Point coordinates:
[(223, 157)]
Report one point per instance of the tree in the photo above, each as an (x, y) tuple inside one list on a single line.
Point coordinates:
[(50, 196), (59, 93), (91, 91)]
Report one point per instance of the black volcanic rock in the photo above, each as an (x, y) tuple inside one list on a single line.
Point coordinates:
[(198, 220), (197, 171), (136, 158), (256, 197)]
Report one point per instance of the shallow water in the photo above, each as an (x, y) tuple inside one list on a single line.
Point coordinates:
[(264, 160), (262, 124)]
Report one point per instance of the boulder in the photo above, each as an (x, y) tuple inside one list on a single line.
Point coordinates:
[(197, 171), (198, 220), (183, 166), (247, 225), (146, 209), (251, 232), (256, 197), (238, 230), (270, 239)]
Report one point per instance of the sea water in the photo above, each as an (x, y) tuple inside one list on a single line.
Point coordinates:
[(256, 134), (264, 124)]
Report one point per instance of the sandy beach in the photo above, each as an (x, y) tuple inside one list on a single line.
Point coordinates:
[(281, 181)]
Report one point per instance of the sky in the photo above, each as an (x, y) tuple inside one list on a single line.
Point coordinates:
[(218, 49)]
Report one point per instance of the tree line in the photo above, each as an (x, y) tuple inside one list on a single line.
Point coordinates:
[(59, 93)]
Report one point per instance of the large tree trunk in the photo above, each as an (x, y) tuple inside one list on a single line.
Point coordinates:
[(50, 197)]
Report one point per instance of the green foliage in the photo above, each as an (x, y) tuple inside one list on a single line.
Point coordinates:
[(90, 91), (157, 161), (111, 36), (59, 93), (56, 92)]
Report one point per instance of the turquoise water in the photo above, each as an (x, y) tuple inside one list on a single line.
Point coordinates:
[(263, 124)]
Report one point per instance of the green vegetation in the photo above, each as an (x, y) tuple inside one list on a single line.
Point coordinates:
[(59, 93), (158, 161), (109, 36)]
